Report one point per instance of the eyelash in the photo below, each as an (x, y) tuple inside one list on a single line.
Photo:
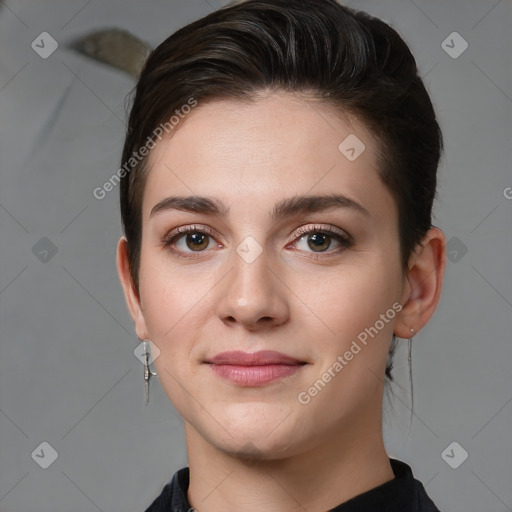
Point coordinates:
[(177, 233), (345, 241)]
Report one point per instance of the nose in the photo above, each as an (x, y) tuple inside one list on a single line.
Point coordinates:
[(254, 295)]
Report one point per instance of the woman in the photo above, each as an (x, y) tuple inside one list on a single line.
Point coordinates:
[(279, 173)]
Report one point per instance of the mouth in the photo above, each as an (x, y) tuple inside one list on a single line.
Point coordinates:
[(254, 369)]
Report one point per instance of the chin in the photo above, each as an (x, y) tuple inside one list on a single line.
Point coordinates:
[(251, 449), (262, 434)]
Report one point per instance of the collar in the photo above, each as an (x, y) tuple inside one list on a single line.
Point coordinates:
[(402, 494)]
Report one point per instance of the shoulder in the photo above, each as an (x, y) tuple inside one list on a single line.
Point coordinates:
[(416, 496), (162, 502), (423, 500), (173, 497)]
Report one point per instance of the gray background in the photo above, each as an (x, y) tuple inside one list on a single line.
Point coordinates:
[(68, 375)]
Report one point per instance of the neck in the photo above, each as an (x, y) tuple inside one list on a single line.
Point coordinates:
[(328, 474)]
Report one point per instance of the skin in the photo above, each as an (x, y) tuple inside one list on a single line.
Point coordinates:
[(251, 448)]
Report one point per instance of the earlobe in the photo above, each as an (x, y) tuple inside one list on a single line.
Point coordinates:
[(423, 286), (132, 299)]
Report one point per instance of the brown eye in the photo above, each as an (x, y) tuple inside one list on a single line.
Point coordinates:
[(197, 241), (319, 242), (323, 241), (190, 239)]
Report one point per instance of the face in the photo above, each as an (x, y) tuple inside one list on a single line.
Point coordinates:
[(254, 268)]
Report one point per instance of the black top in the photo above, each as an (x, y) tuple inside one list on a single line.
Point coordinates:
[(402, 494)]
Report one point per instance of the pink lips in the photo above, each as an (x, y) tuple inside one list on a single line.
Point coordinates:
[(256, 369)]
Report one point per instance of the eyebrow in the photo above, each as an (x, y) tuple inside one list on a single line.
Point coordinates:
[(282, 209)]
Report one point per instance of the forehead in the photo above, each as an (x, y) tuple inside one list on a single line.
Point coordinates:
[(280, 145)]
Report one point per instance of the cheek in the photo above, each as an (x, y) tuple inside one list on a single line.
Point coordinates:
[(172, 307), (348, 300), (165, 297), (178, 304)]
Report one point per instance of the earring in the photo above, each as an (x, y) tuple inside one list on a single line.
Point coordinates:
[(409, 359), (148, 372), (413, 332)]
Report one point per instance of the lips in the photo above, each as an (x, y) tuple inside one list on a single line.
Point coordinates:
[(261, 358), (254, 369)]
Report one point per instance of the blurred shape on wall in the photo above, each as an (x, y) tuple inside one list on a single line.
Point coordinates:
[(115, 47)]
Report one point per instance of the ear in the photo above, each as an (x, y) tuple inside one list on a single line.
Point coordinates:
[(132, 298), (423, 284)]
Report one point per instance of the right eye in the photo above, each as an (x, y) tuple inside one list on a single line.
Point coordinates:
[(188, 240)]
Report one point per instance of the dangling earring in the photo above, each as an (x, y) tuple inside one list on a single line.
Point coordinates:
[(148, 372), (409, 359), (409, 354)]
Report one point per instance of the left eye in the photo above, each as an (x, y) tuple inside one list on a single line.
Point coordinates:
[(321, 241)]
